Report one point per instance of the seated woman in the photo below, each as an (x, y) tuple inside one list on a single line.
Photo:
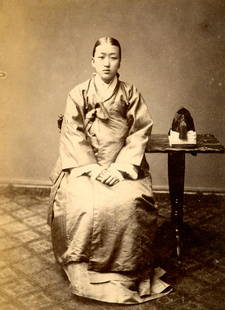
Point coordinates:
[(103, 217)]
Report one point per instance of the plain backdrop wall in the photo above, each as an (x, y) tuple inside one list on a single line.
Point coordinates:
[(173, 50)]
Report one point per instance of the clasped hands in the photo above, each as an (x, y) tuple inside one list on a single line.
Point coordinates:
[(106, 175), (109, 175)]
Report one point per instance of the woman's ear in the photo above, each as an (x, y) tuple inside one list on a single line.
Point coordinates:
[(93, 62)]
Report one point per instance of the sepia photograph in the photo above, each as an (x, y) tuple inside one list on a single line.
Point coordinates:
[(112, 156)]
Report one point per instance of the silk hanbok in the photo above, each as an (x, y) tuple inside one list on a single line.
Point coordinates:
[(103, 235)]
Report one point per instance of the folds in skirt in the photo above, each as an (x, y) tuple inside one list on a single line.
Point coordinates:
[(103, 238)]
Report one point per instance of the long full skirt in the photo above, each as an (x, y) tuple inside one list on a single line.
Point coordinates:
[(103, 238)]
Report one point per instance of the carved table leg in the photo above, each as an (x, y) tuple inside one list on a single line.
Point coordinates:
[(176, 172)]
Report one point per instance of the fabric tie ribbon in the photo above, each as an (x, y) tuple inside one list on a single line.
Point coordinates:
[(98, 111)]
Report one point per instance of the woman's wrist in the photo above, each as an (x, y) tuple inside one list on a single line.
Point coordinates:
[(127, 170), (78, 171)]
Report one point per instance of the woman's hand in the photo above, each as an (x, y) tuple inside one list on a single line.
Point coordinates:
[(95, 171), (110, 176), (92, 170)]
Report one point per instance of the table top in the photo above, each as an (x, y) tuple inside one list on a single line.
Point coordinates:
[(206, 143)]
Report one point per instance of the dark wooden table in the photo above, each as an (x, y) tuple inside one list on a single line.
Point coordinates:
[(159, 143)]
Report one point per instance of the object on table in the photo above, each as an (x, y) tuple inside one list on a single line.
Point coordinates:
[(183, 129)]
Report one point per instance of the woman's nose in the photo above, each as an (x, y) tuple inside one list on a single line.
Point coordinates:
[(106, 62)]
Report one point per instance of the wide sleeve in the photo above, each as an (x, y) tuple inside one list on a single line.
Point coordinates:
[(140, 125), (74, 149)]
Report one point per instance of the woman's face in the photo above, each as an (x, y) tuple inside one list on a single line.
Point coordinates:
[(106, 61)]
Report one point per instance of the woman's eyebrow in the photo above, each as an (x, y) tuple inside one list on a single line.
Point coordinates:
[(113, 53)]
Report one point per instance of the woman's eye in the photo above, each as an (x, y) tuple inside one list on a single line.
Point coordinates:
[(101, 57)]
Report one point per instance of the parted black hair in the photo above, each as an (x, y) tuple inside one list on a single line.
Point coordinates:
[(108, 40)]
